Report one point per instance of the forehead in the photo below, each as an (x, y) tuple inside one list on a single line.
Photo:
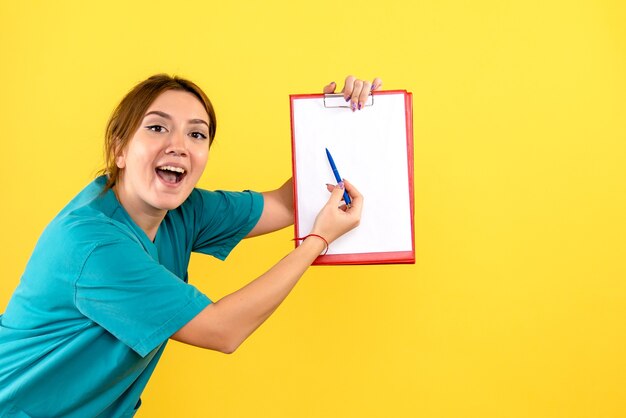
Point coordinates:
[(179, 104)]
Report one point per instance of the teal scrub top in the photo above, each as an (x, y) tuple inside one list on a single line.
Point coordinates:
[(98, 301)]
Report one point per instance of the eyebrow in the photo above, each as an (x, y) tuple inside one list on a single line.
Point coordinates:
[(166, 116)]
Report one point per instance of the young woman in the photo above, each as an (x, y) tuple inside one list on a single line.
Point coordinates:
[(106, 285)]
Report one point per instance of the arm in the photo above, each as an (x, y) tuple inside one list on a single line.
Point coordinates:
[(277, 210), (225, 324)]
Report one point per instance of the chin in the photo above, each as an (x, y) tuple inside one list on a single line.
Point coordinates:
[(170, 202), (168, 199)]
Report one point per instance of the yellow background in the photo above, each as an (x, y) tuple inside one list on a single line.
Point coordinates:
[(516, 306)]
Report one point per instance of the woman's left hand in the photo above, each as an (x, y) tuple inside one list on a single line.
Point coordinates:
[(355, 90)]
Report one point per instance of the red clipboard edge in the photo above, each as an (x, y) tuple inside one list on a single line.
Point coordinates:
[(397, 257)]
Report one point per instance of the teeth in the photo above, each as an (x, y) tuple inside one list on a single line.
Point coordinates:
[(171, 168)]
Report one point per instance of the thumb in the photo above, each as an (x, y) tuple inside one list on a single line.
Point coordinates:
[(330, 88), (337, 195)]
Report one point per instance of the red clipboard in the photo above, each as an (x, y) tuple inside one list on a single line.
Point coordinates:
[(373, 148)]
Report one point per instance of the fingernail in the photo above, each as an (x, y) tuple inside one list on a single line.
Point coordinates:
[(341, 185), (347, 99), (372, 88), (328, 184), (360, 106), (353, 106)]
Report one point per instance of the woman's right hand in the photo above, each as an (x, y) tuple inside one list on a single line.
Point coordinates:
[(335, 219)]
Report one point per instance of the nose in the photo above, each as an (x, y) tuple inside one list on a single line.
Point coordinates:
[(177, 145)]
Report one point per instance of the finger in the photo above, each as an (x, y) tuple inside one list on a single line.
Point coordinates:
[(365, 91), (330, 188), (329, 89), (347, 87), (355, 195), (336, 195), (377, 84), (356, 92), (352, 191)]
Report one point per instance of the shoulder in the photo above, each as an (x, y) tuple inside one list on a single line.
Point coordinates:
[(69, 241), (92, 215), (75, 236), (89, 219)]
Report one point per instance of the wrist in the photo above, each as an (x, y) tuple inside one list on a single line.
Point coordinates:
[(317, 239)]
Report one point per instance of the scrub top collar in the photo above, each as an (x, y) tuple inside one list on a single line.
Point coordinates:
[(119, 214)]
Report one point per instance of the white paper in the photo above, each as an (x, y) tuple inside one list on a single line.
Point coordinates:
[(370, 150)]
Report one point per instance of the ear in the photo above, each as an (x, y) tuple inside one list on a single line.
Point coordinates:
[(120, 158), (120, 161), (119, 152)]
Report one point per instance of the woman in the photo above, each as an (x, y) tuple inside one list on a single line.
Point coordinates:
[(105, 287)]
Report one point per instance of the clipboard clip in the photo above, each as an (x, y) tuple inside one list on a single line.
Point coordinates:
[(336, 100)]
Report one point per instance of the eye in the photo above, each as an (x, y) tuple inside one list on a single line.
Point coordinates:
[(198, 135), (156, 128)]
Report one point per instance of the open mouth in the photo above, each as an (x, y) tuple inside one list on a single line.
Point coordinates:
[(170, 174)]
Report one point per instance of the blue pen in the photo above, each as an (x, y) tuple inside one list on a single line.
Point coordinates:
[(346, 198)]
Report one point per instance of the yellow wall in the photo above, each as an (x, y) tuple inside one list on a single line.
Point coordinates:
[(516, 304)]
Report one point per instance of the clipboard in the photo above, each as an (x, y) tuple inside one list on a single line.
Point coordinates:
[(373, 149)]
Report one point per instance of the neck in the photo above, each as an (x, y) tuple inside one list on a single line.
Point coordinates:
[(146, 217)]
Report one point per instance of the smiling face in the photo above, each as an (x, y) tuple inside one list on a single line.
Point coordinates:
[(166, 156)]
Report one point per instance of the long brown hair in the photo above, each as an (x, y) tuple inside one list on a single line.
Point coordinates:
[(127, 116)]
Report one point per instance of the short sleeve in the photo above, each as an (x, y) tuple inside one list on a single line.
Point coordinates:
[(225, 219), (137, 300)]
